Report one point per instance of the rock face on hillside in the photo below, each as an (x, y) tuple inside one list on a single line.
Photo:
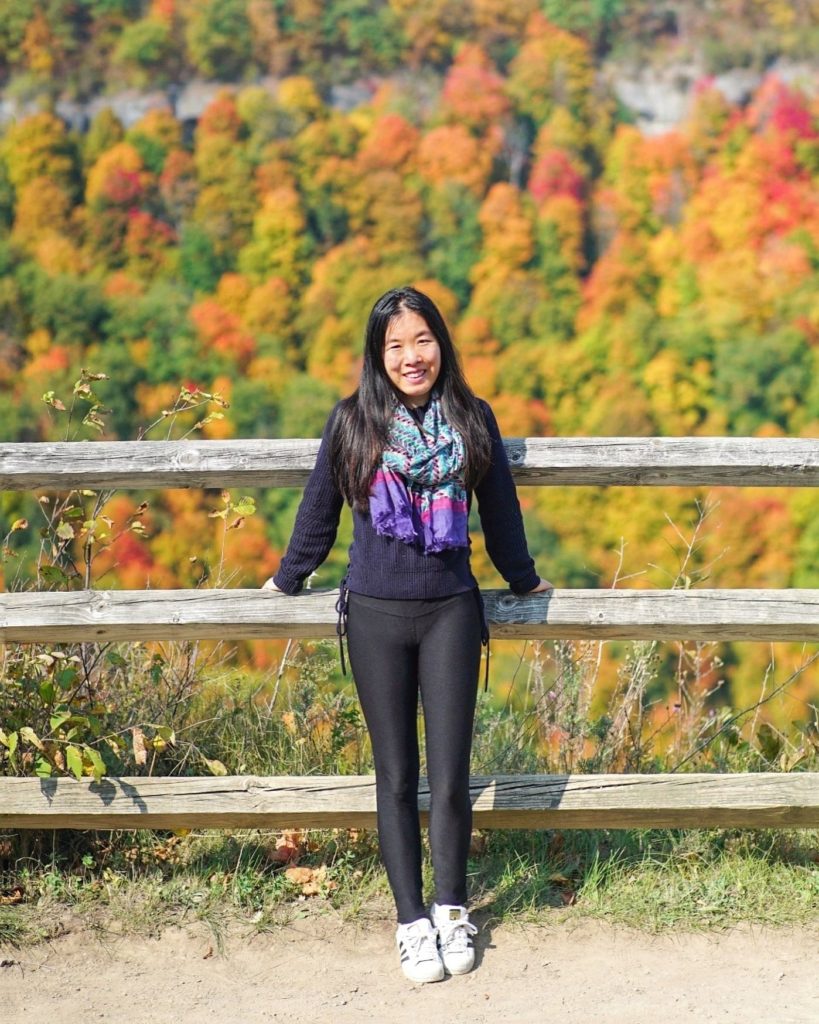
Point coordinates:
[(658, 97)]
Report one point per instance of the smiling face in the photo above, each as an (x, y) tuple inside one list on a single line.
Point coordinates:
[(412, 357)]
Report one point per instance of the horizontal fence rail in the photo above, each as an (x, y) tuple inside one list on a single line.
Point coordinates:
[(596, 461), (91, 615), (762, 800)]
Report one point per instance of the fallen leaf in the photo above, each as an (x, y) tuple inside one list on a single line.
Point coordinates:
[(284, 853), (477, 844), (138, 745), (312, 880), (299, 876), (14, 895), (216, 766), (289, 847)]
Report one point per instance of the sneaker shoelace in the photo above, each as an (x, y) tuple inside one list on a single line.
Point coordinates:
[(455, 935), (421, 943)]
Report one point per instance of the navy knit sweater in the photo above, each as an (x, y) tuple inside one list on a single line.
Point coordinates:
[(389, 568)]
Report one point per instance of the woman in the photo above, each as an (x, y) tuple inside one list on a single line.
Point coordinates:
[(406, 451)]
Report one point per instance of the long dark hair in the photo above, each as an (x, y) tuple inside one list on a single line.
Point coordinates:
[(361, 427)]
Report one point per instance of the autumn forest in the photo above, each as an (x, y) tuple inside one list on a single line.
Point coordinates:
[(598, 280)]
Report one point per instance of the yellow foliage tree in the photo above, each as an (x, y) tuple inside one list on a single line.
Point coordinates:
[(431, 27), (118, 177), (43, 210), (453, 153), (41, 47), (279, 246), (38, 147), (552, 69)]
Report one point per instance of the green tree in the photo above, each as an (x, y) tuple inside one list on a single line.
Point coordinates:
[(453, 236), (6, 199), (363, 33), (219, 39), (595, 19), (200, 267), (146, 51), (305, 406), (73, 311), (105, 131), (14, 17), (762, 379), (255, 408)]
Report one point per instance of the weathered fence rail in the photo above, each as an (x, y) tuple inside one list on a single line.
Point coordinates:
[(543, 461), (614, 801), (90, 615), (512, 801)]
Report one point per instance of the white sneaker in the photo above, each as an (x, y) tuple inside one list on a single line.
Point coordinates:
[(455, 932), (418, 947)]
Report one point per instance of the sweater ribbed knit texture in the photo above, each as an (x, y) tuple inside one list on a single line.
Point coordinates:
[(389, 568)]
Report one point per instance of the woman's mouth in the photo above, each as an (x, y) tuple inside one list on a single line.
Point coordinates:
[(415, 375)]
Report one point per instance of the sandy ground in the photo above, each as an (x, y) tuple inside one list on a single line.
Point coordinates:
[(324, 971)]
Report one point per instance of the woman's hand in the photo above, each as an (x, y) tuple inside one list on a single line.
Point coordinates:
[(270, 585), (542, 587)]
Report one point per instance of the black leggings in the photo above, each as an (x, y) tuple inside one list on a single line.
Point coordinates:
[(397, 647)]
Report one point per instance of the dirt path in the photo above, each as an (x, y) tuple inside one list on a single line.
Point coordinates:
[(319, 970)]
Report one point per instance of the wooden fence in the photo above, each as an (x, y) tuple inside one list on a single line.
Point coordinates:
[(542, 801)]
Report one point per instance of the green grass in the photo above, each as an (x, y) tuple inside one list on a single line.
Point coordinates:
[(141, 882), (14, 929), (654, 880)]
